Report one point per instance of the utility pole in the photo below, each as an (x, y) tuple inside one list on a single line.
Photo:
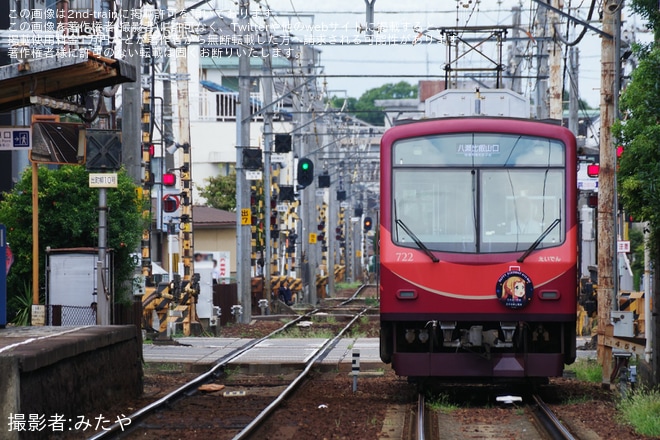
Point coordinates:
[(541, 100), (191, 289), (555, 89), (573, 103), (515, 56), (370, 17), (310, 144), (267, 84), (606, 188), (242, 188), (131, 93)]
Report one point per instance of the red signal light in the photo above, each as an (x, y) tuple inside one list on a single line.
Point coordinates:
[(592, 201), (593, 169), (170, 203), (169, 179)]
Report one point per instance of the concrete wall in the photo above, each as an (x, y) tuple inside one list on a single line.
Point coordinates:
[(71, 374)]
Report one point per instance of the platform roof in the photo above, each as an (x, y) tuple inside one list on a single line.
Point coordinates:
[(59, 77)]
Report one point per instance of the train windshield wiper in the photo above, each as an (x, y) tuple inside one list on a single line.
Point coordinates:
[(539, 240), (417, 241)]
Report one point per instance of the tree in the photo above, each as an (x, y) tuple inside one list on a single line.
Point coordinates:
[(649, 10), (638, 174), (364, 107), (68, 218), (220, 192)]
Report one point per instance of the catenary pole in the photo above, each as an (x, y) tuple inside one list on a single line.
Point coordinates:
[(606, 199), (242, 188)]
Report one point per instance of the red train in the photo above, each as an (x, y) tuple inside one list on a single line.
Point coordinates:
[(478, 248)]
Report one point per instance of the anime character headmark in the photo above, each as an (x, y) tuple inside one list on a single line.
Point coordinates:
[(514, 289)]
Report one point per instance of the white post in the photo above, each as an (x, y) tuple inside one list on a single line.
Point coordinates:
[(648, 350)]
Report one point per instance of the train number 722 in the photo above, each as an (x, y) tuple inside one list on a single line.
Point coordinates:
[(404, 256)]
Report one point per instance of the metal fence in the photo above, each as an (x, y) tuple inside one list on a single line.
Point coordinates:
[(71, 315), (123, 314)]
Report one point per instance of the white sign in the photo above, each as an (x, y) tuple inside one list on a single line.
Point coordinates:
[(281, 207), (224, 266), (587, 184), (623, 247), (38, 315), (103, 180), (15, 138), (277, 158), (320, 192), (253, 175)]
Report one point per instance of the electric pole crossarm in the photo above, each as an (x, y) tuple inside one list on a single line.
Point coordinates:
[(577, 20), (274, 103)]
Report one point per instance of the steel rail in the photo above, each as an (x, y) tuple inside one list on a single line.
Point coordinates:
[(549, 421), (285, 393), (119, 428), (420, 416)]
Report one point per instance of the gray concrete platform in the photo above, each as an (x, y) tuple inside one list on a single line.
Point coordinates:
[(275, 353), (64, 371)]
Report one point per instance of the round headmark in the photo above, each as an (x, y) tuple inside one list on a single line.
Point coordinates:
[(514, 289)]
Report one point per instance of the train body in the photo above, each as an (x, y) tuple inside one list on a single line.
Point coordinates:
[(478, 248)]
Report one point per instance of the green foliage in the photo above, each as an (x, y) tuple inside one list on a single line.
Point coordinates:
[(68, 218), (440, 403), (220, 192), (642, 410), (637, 263), (587, 370), (648, 9), (364, 107), (638, 175), (20, 306)]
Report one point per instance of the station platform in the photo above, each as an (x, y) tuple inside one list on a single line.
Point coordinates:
[(273, 355), (41, 365)]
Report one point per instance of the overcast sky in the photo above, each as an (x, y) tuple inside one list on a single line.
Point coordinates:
[(338, 21)]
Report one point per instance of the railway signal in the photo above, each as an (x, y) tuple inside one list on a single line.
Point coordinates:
[(305, 172), (169, 179), (367, 224), (171, 203)]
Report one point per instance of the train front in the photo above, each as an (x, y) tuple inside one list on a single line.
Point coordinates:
[(478, 248)]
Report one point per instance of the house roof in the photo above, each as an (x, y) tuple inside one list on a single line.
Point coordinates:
[(205, 217)]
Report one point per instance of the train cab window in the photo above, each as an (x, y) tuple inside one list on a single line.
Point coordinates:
[(518, 205), (478, 192)]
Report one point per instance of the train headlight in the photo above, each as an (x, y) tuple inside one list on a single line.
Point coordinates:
[(410, 335), (423, 336)]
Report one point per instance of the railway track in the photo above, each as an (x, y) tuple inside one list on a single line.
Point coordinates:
[(526, 421), (227, 420)]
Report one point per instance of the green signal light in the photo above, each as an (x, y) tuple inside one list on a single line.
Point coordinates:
[(305, 165)]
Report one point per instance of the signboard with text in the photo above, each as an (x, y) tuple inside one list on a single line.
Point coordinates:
[(15, 138), (103, 180)]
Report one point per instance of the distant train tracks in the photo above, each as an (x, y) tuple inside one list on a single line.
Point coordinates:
[(225, 418)]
